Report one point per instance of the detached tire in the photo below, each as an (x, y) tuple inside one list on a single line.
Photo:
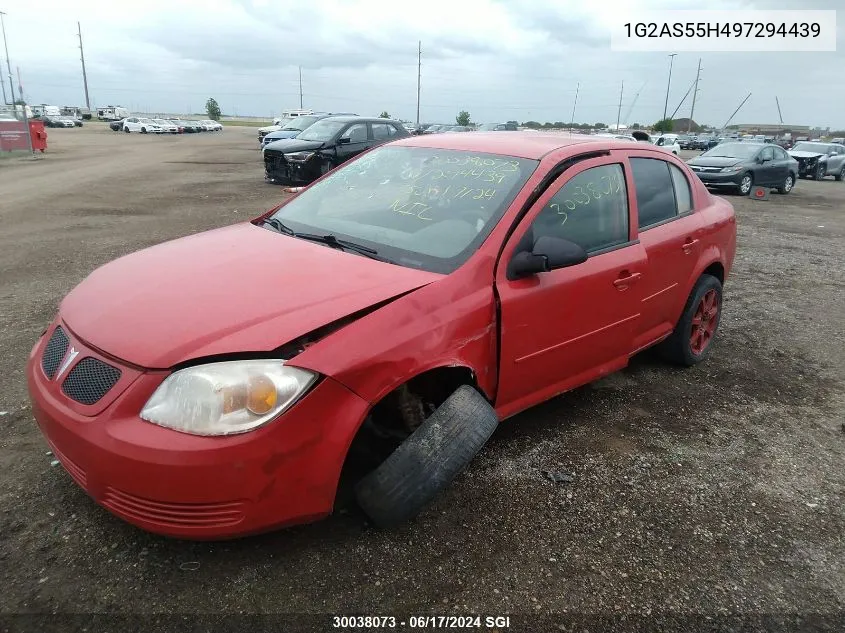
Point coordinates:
[(690, 342), (428, 460)]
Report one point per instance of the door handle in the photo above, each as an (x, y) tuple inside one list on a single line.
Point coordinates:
[(688, 244), (626, 280)]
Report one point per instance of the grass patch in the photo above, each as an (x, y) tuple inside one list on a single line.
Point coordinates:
[(247, 123)]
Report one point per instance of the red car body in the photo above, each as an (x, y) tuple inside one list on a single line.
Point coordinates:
[(243, 290)]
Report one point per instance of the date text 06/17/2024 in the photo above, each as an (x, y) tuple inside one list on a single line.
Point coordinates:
[(421, 622)]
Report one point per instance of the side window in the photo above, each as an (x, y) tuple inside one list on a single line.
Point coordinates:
[(780, 154), (395, 130), (683, 197), (381, 131), (591, 209), (767, 154), (655, 193), (356, 133)]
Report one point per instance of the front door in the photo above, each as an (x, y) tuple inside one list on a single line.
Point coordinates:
[(352, 142), (563, 328)]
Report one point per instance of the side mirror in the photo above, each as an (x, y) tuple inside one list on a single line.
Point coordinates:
[(344, 140), (549, 253)]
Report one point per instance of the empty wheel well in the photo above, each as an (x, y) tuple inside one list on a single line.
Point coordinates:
[(716, 270), (394, 418)]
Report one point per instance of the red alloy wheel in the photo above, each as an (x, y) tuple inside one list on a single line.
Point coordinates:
[(704, 322)]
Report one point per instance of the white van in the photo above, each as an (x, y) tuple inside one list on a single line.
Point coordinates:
[(112, 113)]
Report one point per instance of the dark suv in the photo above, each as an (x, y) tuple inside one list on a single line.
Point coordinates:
[(325, 145)]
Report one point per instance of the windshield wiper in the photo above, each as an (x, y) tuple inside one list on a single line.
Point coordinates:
[(329, 240)]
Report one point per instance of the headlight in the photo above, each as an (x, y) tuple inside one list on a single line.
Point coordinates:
[(226, 398), (299, 157), (732, 168)]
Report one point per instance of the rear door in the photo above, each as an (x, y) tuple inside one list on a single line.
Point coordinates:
[(671, 234), (836, 161), (782, 161), (563, 328), (768, 171)]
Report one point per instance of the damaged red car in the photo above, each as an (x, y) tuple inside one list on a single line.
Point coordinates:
[(368, 335)]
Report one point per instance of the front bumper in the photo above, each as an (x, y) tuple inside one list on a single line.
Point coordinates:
[(188, 486), (279, 171), (719, 179)]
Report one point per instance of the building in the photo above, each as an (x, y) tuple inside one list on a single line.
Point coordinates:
[(774, 129)]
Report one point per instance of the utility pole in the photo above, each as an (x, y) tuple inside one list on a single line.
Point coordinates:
[(419, 79), (300, 87), (735, 111), (668, 83), (694, 93), (25, 117), (686, 94), (619, 112), (574, 105), (82, 57), (8, 64), (780, 116), (3, 86)]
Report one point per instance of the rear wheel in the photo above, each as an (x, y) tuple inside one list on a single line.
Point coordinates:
[(745, 184), (143, 130), (691, 339), (126, 129), (841, 173), (787, 185)]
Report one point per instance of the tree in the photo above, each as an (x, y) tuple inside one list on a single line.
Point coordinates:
[(600, 126), (212, 109), (532, 125), (636, 126), (20, 102), (384, 115), (663, 125), (462, 118)]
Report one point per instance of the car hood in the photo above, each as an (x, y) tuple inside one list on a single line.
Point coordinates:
[(282, 134), (242, 288), (269, 128), (287, 145), (798, 154), (714, 161)]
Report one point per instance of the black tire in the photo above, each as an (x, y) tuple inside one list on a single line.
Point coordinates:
[(819, 174), (143, 130), (428, 460), (741, 187), (126, 129), (677, 349), (788, 184), (841, 174)]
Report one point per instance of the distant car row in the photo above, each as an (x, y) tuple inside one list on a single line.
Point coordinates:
[(164, 126), (743, 165), (59, 121)]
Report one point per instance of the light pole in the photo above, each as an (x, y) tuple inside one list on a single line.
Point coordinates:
[(668, 84)]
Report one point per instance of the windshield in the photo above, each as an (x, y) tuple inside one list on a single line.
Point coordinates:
[(322, 130), (145, 120), (420, 207), (733, 150), (301, 122), (162, 122), (818, 148)]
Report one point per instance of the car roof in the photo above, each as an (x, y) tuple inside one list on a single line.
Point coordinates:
[(533, 145), (358, 119)]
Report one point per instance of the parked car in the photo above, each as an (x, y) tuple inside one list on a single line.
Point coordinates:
[(497, 127), (705, 143), (292, 128), (740, 166), (685, 141), (141, 124), (212, 126), (434, 129), (457, 128), (117, 126), (278, 124), (325, 145), (817, 160), (405, 318), (188, 127), (669, 142), (57, 121), (167, 127)]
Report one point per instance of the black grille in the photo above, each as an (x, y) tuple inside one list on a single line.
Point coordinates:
[(54, 352), (90, 380)]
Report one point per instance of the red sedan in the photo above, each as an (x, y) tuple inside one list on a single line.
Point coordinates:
[(369, 334)]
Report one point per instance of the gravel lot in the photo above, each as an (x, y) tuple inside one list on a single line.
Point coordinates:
[(715, 490)]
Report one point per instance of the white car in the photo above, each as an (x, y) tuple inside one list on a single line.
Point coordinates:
[(167, 127), (278, 124), (211, 126), (669, 142), (142, 125)]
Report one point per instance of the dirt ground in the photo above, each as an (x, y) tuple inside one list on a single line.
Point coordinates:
[(715, 491)]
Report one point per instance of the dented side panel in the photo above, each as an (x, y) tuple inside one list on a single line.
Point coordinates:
[(451, 322)]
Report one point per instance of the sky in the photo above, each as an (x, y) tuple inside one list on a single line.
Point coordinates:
[(498, 59)]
